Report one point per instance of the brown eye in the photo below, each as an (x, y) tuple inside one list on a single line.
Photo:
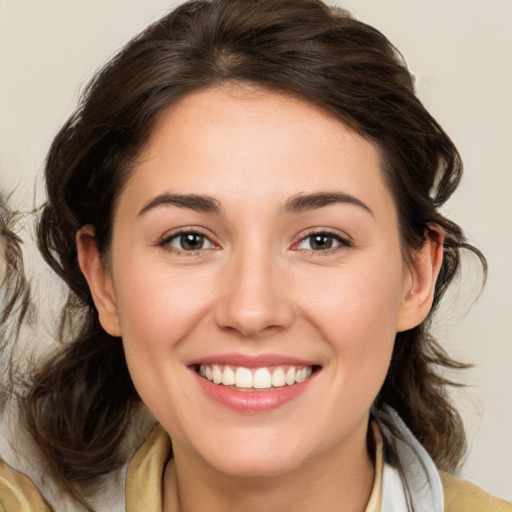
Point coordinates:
[(191, 241), (188, 241), (322, 242)]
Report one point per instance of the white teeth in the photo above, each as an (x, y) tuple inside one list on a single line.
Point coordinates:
[(228, 377), (258, 378), (216, 374), (278, 378), (262, 379), (302, 374), (243, 378)]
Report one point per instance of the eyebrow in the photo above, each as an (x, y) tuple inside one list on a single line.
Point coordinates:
[(296, 204), (303, 202), (199, 203)]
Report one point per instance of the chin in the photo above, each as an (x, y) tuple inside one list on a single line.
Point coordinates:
[(256, 466), (259, 456)]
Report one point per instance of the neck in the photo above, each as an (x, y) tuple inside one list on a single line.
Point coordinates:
[(341, 479)]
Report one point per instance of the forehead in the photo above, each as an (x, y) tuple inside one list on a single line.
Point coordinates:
[(237, 111), (248, 142)]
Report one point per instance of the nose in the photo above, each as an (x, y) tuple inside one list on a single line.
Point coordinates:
[(253, 300)]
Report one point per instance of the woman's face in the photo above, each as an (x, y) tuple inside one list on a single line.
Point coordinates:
[(257, 280)]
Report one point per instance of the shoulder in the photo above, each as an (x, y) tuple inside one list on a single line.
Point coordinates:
[(18, 493), (463, 496), (145, 472)]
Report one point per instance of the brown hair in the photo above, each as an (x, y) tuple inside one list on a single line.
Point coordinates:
[(15, 301), (81, 401)]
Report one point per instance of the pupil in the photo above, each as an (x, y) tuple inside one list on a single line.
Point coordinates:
[(191, 241), (321, 242)]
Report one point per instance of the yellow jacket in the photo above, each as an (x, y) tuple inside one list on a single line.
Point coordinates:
[(144, 479)]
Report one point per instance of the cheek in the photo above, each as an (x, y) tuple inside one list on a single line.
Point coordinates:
[(158, 310), (159, 307), (356, 312), (357, 299)]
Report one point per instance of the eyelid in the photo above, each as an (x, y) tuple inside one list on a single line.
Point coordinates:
[(164, 240), (344, 240)]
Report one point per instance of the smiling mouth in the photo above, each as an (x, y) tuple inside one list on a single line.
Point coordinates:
[(249, 379)]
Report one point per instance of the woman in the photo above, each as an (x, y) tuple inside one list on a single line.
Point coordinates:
[(245, 208)]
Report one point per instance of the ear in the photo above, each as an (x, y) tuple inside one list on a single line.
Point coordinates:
[(99, 280), (420, 282)]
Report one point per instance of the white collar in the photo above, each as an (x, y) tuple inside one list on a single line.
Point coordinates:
[(420, 480)]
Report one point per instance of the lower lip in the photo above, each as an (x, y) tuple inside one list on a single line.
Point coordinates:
[(252, 401)]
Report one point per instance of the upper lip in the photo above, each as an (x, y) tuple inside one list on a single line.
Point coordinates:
[(253, 361)]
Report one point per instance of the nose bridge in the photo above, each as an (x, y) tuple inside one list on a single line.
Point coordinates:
[(253, 298)]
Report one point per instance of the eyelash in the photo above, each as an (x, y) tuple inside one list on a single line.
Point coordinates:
[(165, 242), (342, 242)]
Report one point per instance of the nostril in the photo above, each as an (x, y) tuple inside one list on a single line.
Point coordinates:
[(262, 319)]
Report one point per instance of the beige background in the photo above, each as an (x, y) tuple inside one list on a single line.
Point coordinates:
[(460, 52)]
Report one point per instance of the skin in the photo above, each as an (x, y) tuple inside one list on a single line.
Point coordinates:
[(258, 286)]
